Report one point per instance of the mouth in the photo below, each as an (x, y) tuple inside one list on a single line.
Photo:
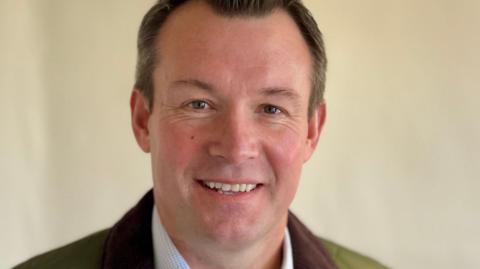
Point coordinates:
[(229, 189)]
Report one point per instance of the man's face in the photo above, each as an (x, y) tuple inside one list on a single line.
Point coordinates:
[(229, 115)]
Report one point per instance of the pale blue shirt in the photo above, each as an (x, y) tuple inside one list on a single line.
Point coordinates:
[(166, 255)]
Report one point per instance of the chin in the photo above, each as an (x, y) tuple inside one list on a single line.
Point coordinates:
[(235, 230)]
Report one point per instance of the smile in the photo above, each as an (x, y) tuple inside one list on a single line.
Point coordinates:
[(229, 188)]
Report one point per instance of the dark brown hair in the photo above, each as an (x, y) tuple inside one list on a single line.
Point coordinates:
[(158, 14)]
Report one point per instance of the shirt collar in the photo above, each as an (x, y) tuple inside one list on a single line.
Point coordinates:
[(287, 261), (167, 256)]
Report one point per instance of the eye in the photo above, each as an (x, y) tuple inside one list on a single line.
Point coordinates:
[(199, 104), (269, 109)]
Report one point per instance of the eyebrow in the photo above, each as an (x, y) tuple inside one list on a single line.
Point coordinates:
[(196, 83), (279, 91), (269, 91)]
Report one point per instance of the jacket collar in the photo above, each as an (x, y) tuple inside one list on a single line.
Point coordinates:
[(308, 250), (129, 243)]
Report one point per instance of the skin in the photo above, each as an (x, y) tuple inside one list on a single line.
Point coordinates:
[(230, 106)]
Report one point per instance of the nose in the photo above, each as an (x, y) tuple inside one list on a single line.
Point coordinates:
[(234, 139)]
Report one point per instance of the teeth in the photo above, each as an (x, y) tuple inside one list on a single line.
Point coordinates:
[(235, 188), (228, 188), (243, 187)]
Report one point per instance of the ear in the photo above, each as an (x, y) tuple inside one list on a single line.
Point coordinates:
[(140, 114), (315, 125)]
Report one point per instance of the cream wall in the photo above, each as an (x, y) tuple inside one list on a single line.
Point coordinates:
[(395, 175)]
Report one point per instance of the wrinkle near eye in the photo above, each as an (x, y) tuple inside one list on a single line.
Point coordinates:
[(293, 123), (260, 119), (181, 113)]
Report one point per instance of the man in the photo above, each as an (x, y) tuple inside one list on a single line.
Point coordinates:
[(228, 101)]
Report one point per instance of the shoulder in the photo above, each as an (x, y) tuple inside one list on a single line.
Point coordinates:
[(348, 259), (84, 253)]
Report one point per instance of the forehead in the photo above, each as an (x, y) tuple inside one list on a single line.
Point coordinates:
[(196, 41)]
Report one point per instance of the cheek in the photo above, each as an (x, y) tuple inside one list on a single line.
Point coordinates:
[(285, 153), (174, 149), (287, 149)]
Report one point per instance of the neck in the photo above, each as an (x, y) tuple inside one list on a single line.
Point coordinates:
[(265, 253)]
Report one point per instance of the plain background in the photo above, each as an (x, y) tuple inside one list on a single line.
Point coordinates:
[(395, 176)]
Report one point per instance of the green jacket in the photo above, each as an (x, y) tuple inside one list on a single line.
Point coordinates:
[(128, 244)]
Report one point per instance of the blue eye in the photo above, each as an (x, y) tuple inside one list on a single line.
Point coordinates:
[(199, 104), (269, 109)]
